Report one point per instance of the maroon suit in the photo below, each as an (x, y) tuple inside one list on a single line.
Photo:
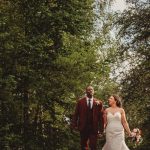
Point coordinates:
[(88, 121)]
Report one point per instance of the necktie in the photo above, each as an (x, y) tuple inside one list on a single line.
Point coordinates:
[(89, 104)]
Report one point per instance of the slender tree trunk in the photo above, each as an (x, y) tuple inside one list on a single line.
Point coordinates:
[(26, 119), (36, 118)]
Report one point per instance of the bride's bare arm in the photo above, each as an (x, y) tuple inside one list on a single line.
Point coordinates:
[(105, 118), (124, 121)]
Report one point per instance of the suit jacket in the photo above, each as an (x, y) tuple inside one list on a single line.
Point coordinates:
[(80, 115)]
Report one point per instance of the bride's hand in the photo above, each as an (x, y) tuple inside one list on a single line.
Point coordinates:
[(130, 134), (100, 135)]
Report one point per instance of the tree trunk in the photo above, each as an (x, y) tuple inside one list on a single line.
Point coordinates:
[(26, 119)]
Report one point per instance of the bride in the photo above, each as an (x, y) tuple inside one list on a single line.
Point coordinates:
[(115, 122)]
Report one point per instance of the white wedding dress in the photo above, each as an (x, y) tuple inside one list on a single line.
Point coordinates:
[(114, 133)]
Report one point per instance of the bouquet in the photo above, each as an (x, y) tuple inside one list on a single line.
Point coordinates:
[(136, 136)]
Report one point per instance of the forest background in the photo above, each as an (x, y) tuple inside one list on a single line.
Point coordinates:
[(52, 49)]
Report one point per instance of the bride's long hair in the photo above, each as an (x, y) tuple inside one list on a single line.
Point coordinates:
[(118, 100)]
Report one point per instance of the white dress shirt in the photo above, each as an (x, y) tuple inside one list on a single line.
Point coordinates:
[(91, 101)]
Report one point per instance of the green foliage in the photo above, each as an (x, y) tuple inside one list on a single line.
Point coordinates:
[(47, 58), (135, 83)]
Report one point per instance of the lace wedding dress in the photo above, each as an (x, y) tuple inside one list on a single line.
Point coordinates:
[(114, 133)]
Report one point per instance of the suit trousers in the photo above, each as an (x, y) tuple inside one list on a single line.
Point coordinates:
[(88, 139)]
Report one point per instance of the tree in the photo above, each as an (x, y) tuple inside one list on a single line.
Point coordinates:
[(135, 47), (48, 56)]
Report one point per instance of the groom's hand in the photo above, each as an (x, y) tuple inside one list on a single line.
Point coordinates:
[(76, 128)]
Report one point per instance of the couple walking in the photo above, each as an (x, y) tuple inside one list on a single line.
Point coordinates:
[(90, 119)]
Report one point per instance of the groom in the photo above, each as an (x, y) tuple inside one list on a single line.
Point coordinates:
[(88, 119)]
